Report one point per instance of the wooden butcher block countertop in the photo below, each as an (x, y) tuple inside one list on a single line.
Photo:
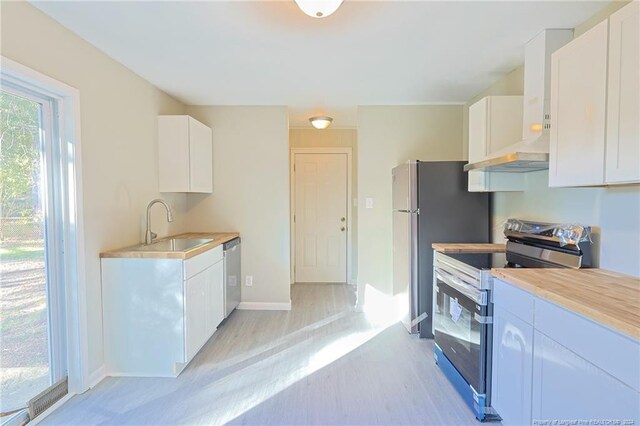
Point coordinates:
[(468, 248), (607, 297), (217, 237)]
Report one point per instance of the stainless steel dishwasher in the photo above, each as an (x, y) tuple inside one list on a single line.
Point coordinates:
[(231, 275)]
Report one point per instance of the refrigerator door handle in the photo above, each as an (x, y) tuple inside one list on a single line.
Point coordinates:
[(408, 211)]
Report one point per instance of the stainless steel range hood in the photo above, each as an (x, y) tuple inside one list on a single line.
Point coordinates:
[(514, 162), (532, 152), (521, 157)]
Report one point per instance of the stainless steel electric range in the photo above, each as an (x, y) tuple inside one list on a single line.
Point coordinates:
[(463, 309)]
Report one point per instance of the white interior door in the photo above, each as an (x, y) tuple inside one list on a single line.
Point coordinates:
[(320, 218)]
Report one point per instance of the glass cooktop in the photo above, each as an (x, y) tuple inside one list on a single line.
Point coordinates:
[(481, 260)]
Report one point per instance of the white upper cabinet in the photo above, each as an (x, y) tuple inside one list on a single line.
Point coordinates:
[(578, 103), (185, 155), (495, 122), (623, 111), (595, 107)]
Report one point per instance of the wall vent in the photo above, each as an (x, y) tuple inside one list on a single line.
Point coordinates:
[(45, 399)]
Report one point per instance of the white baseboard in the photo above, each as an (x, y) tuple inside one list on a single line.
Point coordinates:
[(146, 375), (97, 376), (264, 306)]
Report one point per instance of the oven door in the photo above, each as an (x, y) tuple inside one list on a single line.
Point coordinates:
[(462, 327)]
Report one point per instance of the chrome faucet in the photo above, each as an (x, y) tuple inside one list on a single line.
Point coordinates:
[(151, 235)]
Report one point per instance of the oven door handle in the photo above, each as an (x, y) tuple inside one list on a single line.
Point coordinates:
[(480, 297)]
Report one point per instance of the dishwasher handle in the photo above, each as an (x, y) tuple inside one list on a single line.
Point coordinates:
[(231, 244)]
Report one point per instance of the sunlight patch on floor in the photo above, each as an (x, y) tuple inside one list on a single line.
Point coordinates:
[(381, 309), (297, 365)]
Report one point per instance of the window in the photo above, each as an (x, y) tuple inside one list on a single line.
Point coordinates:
[(43, 331)]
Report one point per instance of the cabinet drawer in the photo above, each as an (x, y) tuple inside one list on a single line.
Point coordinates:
[(510, 298), (566, 386), (202, 261), (608, 350)]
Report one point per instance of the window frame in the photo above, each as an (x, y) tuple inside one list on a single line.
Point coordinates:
[(63, 112)]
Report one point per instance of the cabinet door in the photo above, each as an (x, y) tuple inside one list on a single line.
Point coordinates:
[(200, 157), (215, 308), (578, 103), (196, 300), (565, 386), (505, 123), (512, 368), (495, 122), (173, 153), (478, 120), (623, 111)]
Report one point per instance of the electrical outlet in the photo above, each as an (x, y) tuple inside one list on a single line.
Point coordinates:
[(368, 202), (248, 281)]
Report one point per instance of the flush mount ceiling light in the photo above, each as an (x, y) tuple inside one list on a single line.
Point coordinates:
[(318, 8), (321, 122)]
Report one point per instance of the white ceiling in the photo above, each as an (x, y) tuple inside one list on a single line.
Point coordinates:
[(270, 53)]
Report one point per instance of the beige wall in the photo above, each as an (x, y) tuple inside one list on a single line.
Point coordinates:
[(336, 138), (119, 140), (388, 136), (613, 211), (313, 138), (250, 193)]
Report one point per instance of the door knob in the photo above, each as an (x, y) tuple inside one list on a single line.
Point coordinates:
[(342, 219), (342, 229)]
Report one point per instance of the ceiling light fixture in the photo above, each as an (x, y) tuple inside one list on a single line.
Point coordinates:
[(321, 122), (318, 8)]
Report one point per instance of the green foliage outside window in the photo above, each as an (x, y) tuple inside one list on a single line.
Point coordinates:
[(19, 156)]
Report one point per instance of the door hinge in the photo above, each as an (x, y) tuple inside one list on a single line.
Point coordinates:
[(294, 168), (294, 218)]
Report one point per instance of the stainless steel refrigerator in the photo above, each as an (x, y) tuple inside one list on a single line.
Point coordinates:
[(431, 204)]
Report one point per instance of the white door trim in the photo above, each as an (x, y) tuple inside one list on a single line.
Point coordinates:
[(68, 100), (292, 202)]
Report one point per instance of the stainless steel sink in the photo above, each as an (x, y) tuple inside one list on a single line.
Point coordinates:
[(173, 244)]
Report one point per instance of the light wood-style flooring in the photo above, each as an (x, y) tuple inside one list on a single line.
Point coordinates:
[(320, 363)]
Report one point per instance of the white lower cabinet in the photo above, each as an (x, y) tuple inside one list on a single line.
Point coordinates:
[(592, 376), (158, 313), (512, 367), (215, 311), (568, 387), (203, 310), (513, 363), (196, 292)]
